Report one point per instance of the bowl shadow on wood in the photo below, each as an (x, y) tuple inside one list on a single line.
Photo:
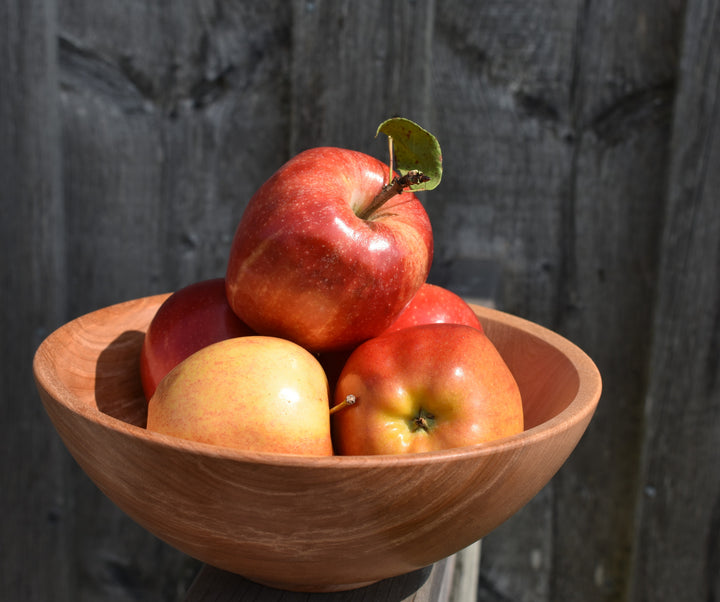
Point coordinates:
[(307, 523)]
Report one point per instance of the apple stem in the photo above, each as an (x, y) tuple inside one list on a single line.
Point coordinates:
[(396, 186), (348, 401), (391, 161), (423, 421)]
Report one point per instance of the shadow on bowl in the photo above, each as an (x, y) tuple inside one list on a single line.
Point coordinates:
[(118, 388)]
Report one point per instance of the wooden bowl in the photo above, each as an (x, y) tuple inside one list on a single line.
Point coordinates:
[(307, 523)]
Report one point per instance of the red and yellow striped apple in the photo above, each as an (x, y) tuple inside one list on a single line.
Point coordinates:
[(315, 259), (424, 388)]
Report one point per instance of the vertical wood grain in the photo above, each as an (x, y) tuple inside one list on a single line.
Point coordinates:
[(501, 80), (354, 64), (622, 100), (558, 118), (35, 510), (678, 554), (500, 86), (173, 116)]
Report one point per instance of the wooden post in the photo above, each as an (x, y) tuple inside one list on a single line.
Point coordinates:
[(453, 579)]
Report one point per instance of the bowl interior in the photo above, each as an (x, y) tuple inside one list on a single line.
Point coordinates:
[(103, 377)]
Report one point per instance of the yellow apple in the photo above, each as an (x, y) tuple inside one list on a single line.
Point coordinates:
[(255, 393)]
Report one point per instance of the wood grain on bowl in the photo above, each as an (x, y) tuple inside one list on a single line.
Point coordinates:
[(307, 523)]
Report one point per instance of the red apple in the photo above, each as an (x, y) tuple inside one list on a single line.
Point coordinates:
[(434, 304), (424, 388), (191, 318), (315, 261)]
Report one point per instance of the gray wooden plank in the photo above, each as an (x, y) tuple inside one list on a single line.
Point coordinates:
[(172, 119), (623, 102), (500, 84), (558, 116), (355, 64), (678, 536), (35, 511)]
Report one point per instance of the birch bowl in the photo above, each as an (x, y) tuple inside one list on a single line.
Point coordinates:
[(307, 523)]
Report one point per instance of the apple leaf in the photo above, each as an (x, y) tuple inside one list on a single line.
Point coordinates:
[(414, 148)]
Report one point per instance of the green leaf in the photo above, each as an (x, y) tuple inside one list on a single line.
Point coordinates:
[(414, 148)]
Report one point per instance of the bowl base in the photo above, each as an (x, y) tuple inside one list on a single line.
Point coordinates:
[(314, 589)]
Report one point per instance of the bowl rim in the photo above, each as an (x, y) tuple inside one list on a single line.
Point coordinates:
[(581, 407)]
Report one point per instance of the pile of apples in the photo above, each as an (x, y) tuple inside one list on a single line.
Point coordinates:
[(324, 336)]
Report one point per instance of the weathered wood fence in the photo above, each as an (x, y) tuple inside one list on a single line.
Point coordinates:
[(581, 147)]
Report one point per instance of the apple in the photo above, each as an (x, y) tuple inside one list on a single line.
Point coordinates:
[(254, 393), (424, 388), (188, 320), (433, 304), (327, 254)]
